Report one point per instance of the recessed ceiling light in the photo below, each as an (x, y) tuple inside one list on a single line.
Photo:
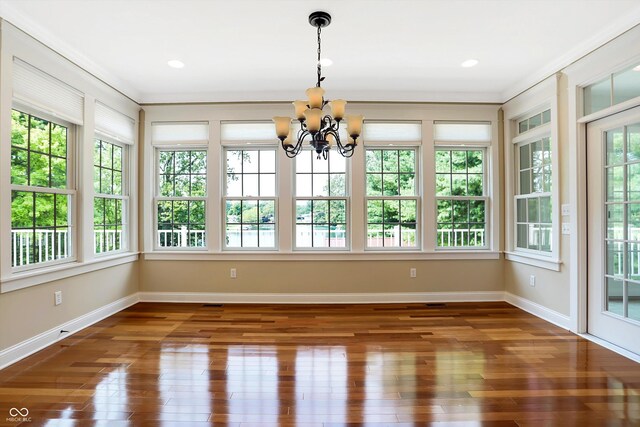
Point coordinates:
[(469, 63), (326, 62), (174, 63), (636, 68)]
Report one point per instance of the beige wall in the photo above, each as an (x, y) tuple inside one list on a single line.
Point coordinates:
[(321, 276), (28, 312), (552, 288)]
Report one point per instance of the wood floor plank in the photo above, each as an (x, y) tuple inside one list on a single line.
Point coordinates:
[(487, 364)]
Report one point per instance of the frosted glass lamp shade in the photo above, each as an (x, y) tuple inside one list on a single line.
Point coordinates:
[(354, 126), (330, 140), (315, 95), (337, 108), (283, 125), (313, 117), (300, 107)]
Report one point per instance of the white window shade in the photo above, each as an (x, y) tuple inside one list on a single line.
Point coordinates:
[(38, 89), (462, 132), (392, 132), (114, 124), (180, 133), (252, 132)]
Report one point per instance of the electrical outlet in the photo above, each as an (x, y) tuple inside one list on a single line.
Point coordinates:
[(532, 280), (565, 210), (566, 228), (57, 297), (412, 273), (233, 273)]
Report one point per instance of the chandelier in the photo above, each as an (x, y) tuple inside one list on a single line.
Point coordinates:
[(319, 129)]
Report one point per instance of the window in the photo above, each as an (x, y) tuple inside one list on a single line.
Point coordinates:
[(461, 198), (615, 89), (250, 199), (534, 121), (110, 202), (391, 198), (41, 190), (533, 199), (321, 201), (181, 200)]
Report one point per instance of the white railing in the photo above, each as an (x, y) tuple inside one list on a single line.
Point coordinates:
[(453, 238), (107, 240), (36, 246), (180, 238)]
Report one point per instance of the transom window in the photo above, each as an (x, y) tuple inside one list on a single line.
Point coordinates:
[(534, 121), (41, 193), (109, 204), (461, 198), (181, 200), (321, 201), (533, 199), (250, 202), (391, 198)]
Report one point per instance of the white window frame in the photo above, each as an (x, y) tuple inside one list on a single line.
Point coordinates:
[(541, 98), (70, 191), (417, 149), (346, 198), (517, 145), (485, 195), (223, 179), (157, 198), (124, 198)]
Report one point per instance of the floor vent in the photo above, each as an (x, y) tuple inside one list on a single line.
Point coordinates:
[(436, 304), (212, 305)]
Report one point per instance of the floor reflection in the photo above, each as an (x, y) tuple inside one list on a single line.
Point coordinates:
[(183, 384), (321, 384), (252, 384)]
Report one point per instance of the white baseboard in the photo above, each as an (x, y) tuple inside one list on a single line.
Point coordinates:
[(538, 310), (25, 348), (320, 298)]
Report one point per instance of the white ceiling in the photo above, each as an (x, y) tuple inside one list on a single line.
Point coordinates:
[(383, 50)]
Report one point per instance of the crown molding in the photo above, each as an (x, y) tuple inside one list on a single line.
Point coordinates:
[(42, 35)]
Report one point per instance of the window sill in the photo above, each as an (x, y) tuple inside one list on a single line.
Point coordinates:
[(547, 263), (35, 277), (320, 256)]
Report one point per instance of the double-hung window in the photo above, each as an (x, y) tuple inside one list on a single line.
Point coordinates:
[(42, 189), (322, 203), (250, 198), (461, 184), (181, 200), (533, 206), (181, 193), (461, 198), (392, 197), (110, 201)]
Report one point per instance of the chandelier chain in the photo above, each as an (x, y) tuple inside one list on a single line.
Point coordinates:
[(319, 51)]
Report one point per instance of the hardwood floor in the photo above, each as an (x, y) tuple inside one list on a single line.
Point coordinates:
[(465, 364)]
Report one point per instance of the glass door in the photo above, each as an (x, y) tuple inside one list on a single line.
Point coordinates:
[(613, 171)]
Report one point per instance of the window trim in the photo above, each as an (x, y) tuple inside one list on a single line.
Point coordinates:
[(539, 99), (71, 191), (157, 198), (248, 146)]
